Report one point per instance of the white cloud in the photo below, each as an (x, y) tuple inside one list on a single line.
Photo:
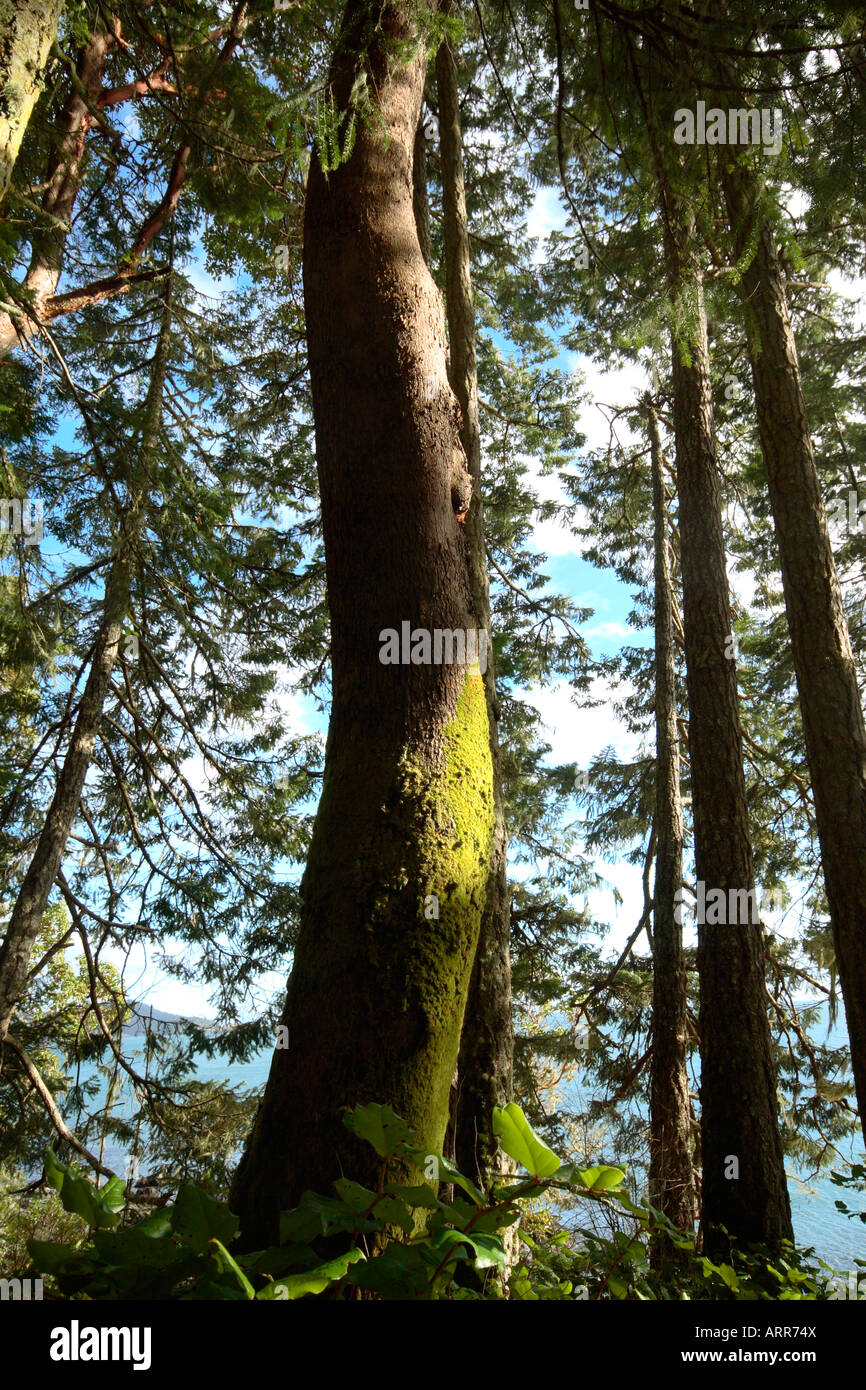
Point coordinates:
[(855, 292), (576, 734), (610, 389), (545, 216), (609, 632)]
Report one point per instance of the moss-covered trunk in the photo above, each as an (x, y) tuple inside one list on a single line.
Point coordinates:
[(28, 28), (396, 877), (485, 1065)]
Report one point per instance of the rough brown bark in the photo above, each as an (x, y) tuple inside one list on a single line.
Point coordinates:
[(830, 704), (28, 28), (670, 1174), (485, 1064), (32, 899), (378, 990), (739, 1109), (744, 1188)]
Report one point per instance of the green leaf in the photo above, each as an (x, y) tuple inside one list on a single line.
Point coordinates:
[(729, 1277), (157, 1224), (198, 1219), (626, 1201), (330, 1213), (301, 1225), (446, 1172), (355, 1196), (311, 1281), (601, 1179), (226, 1264), (521, 1143), (136, 1251), (100, 1207), (400, 1272), (380, 1127), (419, 1196), (50, 1256), (386, 1209), (488, 1249)]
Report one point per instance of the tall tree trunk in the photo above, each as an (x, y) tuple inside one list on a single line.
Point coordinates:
[(743, 1187), (64, 179), (670, 1174), (28, 28), (396, 879), (830, 704), (486, 1060), (32, 900), (743, 1182)]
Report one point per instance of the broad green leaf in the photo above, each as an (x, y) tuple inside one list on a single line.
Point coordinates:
[(730, 1278), (626, 1201), (354, 1195), (521, 1143), (301, 1225), (400, 1272), (111, 1196), (380, 1127), (311, 1281), (198, 1218), (98, 1207), (386, 1208), (419, 1196), (602, 1179), (49, 1256), (445, 1171), (131, 1248), (332, 1215), (157, 1224), (488, 1249)]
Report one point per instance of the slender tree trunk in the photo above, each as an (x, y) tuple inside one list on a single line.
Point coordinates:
[(670, 1174), (420, 200), (743, 1182), (826, 675), (486, 1058), (744, 1187), (28, 28), (396, 879), (32, 900)]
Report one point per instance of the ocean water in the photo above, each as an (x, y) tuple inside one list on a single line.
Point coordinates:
[(817, 1222)]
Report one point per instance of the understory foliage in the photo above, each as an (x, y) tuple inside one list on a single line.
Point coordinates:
[(436, 1239)]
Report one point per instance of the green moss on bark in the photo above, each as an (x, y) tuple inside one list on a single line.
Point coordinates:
[(452, 814), (27, 31)]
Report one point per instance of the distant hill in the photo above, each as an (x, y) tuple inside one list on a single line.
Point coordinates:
[(144, 1017)]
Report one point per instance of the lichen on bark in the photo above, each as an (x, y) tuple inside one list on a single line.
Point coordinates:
[(27, 31)]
